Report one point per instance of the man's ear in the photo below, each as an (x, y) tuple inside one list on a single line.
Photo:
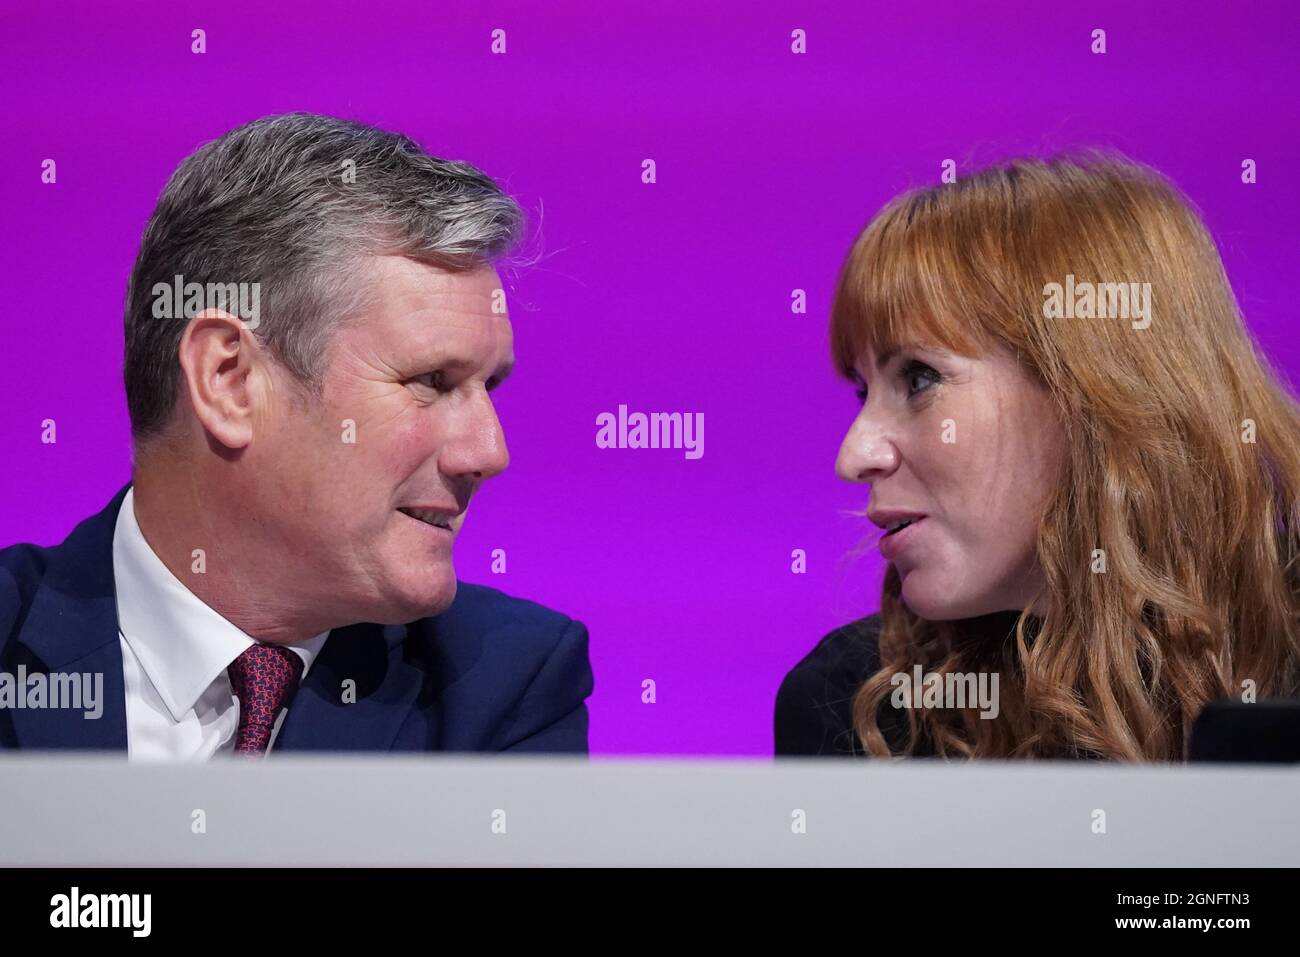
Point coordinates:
[(224, 369)]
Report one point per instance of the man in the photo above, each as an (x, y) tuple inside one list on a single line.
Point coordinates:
[(313, 328)]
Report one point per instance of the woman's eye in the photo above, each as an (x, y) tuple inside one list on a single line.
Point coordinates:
[(916, 375), (915, 372)]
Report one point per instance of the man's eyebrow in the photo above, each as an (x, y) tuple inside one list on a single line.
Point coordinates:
[(457, 364)]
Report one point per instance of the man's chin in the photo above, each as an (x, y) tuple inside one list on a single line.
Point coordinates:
[(425, 603)]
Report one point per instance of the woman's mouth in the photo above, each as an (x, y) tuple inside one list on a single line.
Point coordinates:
[(895, 529), (898, 537)]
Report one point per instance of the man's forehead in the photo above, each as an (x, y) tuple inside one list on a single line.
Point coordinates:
[(453, 341), (404, 285), (427, 308)]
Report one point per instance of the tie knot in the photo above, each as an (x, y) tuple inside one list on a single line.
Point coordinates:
[(264, 678)]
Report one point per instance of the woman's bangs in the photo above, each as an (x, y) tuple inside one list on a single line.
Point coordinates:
[(897, 291)]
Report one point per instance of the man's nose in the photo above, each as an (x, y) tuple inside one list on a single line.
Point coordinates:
[(479, 448), (867, 453)]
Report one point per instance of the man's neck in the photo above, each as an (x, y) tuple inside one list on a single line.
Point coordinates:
[(209, 556)]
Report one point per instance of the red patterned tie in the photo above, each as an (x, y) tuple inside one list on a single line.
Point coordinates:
[(264, 678)]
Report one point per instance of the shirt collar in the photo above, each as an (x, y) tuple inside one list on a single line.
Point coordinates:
[(182, 644)]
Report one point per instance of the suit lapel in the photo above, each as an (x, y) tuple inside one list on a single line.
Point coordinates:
[(384, 689), (72, 628)]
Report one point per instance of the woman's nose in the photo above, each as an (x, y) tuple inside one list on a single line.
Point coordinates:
[(867, 453)]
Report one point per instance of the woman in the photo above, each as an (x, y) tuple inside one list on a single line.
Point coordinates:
[(1101, 481)]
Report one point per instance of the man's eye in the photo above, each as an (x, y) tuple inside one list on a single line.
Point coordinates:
[(433, 380)]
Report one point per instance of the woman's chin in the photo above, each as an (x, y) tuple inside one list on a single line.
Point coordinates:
[(930, 596)]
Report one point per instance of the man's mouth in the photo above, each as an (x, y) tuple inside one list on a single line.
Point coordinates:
[(429, 517)]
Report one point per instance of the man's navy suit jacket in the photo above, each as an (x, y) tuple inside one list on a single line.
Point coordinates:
[(492, 673)]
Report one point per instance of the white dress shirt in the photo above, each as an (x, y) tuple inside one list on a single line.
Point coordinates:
[(175, 651)]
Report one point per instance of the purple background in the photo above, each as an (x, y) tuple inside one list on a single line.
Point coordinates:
[(671, 297)]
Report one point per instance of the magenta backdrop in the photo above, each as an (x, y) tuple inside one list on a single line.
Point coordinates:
[(666, 297)]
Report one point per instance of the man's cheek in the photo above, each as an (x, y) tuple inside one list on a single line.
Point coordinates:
[(401, 452)]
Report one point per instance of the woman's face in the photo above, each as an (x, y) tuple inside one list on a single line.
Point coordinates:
[(974, 447)]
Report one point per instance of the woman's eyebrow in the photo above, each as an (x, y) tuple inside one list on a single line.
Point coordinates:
[(882, 361)]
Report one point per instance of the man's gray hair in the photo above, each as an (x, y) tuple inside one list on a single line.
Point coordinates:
[(293, 203)]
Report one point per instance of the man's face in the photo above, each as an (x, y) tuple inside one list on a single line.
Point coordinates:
[(405, 424)]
